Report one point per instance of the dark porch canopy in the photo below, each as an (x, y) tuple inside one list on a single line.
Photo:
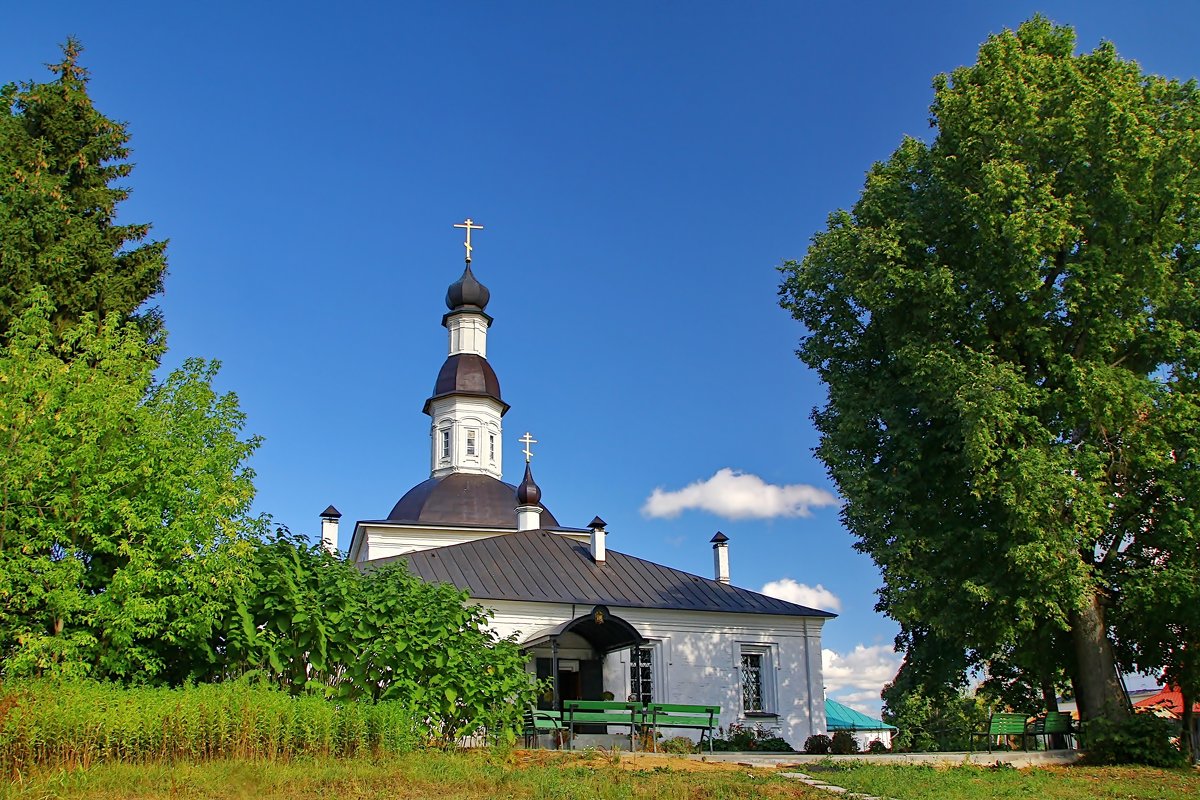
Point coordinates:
[(602, 630)]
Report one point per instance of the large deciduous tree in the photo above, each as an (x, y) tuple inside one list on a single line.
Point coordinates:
[(60, 161), (1006, 321), (123, 502)]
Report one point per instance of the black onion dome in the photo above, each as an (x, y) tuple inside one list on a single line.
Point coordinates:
[(528, 493), (467, 373), (463, 499), (467, 292)]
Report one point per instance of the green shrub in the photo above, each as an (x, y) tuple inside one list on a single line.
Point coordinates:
[(843, 743), (876, 746), (818, 744), (678, 745), (1139, 739), (742, 738)]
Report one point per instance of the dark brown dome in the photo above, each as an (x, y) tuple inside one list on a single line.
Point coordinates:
[(467, 373), (467, 293), (463, 498), (528, 493)]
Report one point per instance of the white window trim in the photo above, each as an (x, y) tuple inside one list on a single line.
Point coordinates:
[(770, 665), (471, 448), (659, 688), (445, 444)]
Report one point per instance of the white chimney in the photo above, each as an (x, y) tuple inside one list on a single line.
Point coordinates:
[(598, 534), (721, 557), (329, 529)]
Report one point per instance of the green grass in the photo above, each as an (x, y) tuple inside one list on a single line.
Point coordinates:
[(79, 723), (1044, 783), (444, 776)]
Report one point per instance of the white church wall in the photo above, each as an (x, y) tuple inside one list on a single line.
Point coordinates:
[(382, 540), (697, 659), (462, 415)]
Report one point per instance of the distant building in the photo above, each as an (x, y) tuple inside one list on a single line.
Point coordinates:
[(865, 729), (600, 622)]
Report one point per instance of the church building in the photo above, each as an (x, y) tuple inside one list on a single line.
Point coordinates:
[(604, 624)]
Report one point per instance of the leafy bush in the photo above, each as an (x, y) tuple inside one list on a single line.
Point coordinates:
[(741, 738), (678, 745), (818, 744), (843, 743), (312, 622), (1139, 739), (877, 746)]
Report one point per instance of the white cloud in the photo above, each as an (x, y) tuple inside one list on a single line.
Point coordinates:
[(859, 675), (812, 596), (739, 495)]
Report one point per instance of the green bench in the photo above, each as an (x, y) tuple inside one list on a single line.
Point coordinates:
[(601, 712), (538, 722), (1053, 723), (674, 715), (1003, 724)]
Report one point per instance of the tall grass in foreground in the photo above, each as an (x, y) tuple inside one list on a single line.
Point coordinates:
[(80, 723)]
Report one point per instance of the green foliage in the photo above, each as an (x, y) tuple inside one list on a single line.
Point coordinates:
[(877, 746), (818, 744), (741, 738), (60, 159), (123, 502), (843, 743), (677, 745), (938, 721), (1007, 323), (312, 623), (78, 723), (1140, 739)]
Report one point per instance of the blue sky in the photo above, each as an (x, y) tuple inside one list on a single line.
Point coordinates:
[(640, 170)]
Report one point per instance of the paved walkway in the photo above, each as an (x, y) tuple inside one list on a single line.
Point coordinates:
[(1017, 758)]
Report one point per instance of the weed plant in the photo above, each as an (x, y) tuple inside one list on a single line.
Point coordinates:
[(75, 724)]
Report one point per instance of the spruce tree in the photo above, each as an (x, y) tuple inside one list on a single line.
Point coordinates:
[(60, 164)]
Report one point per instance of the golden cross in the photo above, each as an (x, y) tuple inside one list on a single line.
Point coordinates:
[(527, 440), (470, 225)]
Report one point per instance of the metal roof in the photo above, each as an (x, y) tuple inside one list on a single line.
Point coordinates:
[(550, 568), (463, 499), (840, 717)]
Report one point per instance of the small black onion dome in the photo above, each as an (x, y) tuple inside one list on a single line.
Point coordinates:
[(528, 493), (468, 292), (720, 538)]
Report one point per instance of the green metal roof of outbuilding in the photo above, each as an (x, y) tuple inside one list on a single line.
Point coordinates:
[(844, 718)]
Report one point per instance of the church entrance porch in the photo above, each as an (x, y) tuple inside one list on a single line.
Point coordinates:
[(572, 656)]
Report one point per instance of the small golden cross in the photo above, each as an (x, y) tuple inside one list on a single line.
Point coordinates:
[(470, 225), (527, 440)]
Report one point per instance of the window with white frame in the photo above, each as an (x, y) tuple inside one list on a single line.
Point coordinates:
[(445, 443), (758, 686), (492, 446), (471, 442), (641, 675)]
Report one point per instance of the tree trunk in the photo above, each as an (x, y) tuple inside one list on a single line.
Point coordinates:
[(1050, 698), (1100, 693), (1188, 740)]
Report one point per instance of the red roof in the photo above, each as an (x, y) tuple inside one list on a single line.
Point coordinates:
[(1168, 700)]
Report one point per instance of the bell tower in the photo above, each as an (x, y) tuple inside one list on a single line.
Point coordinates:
[(465, 408)]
